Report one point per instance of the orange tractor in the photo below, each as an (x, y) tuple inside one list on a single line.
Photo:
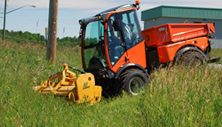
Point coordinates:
[(120, 55), (117, 55)]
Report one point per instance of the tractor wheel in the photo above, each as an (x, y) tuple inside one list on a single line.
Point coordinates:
[(191, 59), (133, 81)]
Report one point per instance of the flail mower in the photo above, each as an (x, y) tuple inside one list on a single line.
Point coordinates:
[(77, 89)]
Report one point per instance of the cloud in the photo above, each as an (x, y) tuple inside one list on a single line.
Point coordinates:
[(95, 6), (80, 4), (101, 4), (70, 11)]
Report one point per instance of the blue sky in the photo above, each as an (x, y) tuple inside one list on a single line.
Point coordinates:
[(35, 20)]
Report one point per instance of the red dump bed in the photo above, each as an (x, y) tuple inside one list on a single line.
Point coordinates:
[(168, 33)]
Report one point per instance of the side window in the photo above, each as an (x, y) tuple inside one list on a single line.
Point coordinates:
[(93, 42), (134, 24), (124, 18), (130, 28), (114, 41)]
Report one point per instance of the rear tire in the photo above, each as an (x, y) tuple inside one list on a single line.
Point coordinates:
[(133, 81), (191, 59)]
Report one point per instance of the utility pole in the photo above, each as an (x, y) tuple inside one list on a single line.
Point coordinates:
[(52, 31), (4, 20)]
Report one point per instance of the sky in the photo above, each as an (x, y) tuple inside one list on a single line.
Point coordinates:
[(35, 20)]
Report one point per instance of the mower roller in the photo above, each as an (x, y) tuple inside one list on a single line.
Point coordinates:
[(77, 89)]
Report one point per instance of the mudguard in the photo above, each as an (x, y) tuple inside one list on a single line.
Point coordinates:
[(130, 65)]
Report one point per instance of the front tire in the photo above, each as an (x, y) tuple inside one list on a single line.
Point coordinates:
[(133, 81)]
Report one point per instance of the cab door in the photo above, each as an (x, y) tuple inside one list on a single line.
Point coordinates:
[(126, 45), (115, 51), (135, 45)]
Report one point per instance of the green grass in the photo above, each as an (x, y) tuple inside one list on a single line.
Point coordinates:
[(216, 53), (176, 97)]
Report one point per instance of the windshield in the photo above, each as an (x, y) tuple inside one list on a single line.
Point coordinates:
[(94, 44)]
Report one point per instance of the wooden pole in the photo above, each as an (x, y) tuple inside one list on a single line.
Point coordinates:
[(52, 31), (4, 20)]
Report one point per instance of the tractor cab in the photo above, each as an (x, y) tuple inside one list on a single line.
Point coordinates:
[(108, 37)]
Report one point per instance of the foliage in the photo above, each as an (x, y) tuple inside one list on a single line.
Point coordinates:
[(175, 97), (24, 37), (68, 41)]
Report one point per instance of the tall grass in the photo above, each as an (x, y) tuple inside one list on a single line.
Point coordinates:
[(175, 97)]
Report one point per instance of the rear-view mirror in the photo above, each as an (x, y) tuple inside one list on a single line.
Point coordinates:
[(116, 25)]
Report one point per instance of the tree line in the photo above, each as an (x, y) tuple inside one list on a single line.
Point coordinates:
[(24, 37)]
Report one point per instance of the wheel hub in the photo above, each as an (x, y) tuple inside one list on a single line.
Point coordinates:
[(136, 85)]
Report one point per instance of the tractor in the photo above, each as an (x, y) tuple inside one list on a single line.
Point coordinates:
[(116, 55), (121, 56)]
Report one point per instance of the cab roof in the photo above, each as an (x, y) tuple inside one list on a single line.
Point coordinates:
[(125, 6), (103, 14)]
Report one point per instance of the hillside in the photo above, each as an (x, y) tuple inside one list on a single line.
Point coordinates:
[(175, 97)]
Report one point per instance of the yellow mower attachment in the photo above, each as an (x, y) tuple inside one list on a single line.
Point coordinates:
[(78, 89)]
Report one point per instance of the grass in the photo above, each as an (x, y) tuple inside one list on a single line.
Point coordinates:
[(216, 53), (175, 97)]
